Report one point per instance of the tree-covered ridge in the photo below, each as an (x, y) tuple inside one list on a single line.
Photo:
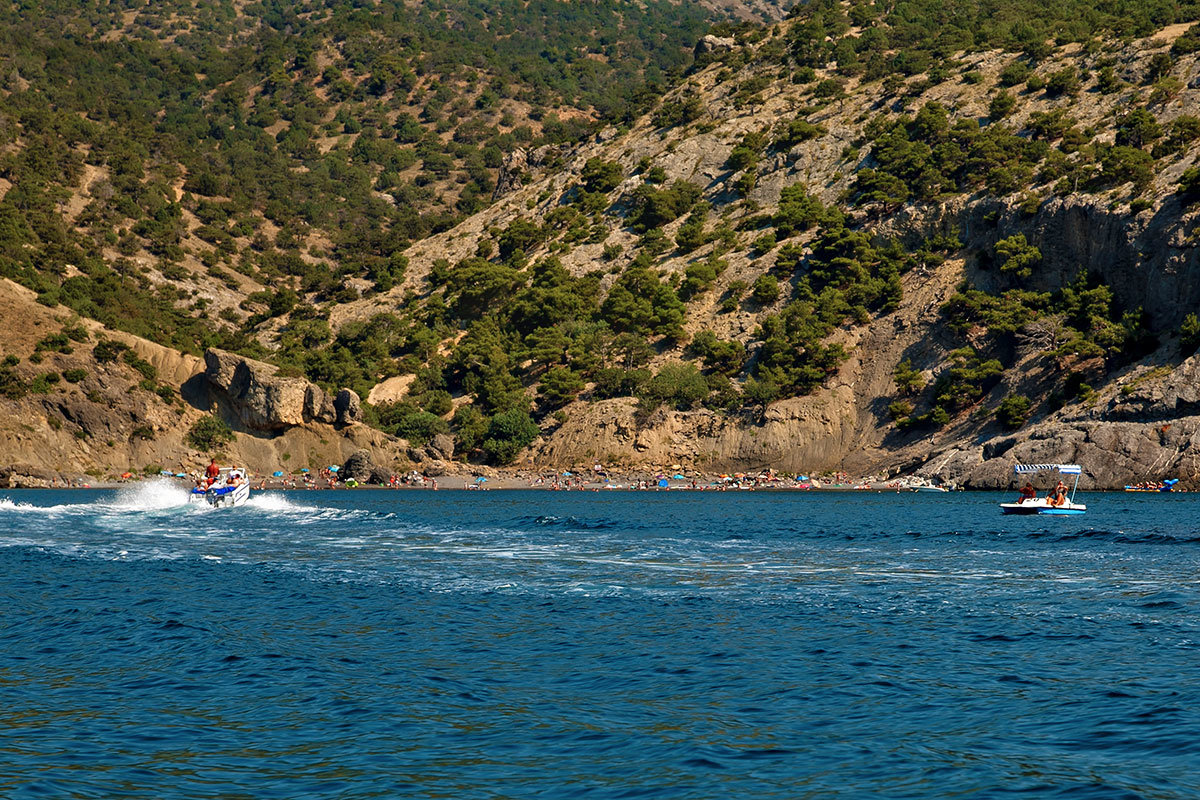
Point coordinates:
[(302, 145), (724, 251), (878, 39)]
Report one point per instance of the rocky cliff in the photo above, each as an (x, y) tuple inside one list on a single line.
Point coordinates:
[(88, 410)]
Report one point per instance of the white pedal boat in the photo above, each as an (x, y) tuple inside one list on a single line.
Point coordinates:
[(1044, 505)]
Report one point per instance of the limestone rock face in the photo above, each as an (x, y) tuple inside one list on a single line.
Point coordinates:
[(318, 406), (1177, 396), (348, 407), (512, 172), (517, 165), (714, 44), (264, 401)]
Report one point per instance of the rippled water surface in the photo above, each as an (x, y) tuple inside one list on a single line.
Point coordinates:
[(379, 644)]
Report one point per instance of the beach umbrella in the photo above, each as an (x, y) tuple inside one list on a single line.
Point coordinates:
[(678, 477), (277, 473), (567, 474), (481, 479), (180, 474), (166, 473), (304, 470), (334, 468), (126, 475), (663, 482)]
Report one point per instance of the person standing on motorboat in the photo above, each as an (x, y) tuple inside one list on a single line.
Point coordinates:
[(212, 472)]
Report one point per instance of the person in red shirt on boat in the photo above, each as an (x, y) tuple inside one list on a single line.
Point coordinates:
[(1027, 493), (212, 472)]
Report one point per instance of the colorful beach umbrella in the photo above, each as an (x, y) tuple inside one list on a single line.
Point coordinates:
[(277, 473)]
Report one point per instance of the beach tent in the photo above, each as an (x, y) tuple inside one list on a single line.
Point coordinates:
[(277, 474)]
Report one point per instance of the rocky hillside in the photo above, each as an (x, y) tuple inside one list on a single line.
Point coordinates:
[(844, 241), (1040, 267), (79, 402)]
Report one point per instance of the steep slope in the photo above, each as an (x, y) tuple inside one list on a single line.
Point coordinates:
[(1107, 237), (81, 402)]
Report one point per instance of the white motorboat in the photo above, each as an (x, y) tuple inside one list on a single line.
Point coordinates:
[(1066, 506), (231, 488)]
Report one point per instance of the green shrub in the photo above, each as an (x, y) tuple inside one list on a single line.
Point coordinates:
[(107, 350), (680, 385), (42, 384), (900, 410), (1016, 72), (907, 378), (11, 384), (1014, 411), (509, 433), (1016, 256), (1189, 185), (209, 433), (765, 289), (1001, 105), (559, 386), (74, 375), (1189, 334)]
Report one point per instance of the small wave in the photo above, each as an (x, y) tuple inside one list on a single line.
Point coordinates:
[(566, 522), (154, 495), (7, 504), (1123, 537), (277, 502)]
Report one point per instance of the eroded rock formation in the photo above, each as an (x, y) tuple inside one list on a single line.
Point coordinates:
[(265, 401)]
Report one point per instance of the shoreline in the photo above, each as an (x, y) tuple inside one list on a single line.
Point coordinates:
[(505, 484)]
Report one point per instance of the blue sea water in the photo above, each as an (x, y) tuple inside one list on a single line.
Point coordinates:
[(375, 644)]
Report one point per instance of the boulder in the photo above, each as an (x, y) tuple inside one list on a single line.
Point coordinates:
[(441, 447), (26, 476), (348, 407), (512, 173), (714, 44), (359, 466)]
